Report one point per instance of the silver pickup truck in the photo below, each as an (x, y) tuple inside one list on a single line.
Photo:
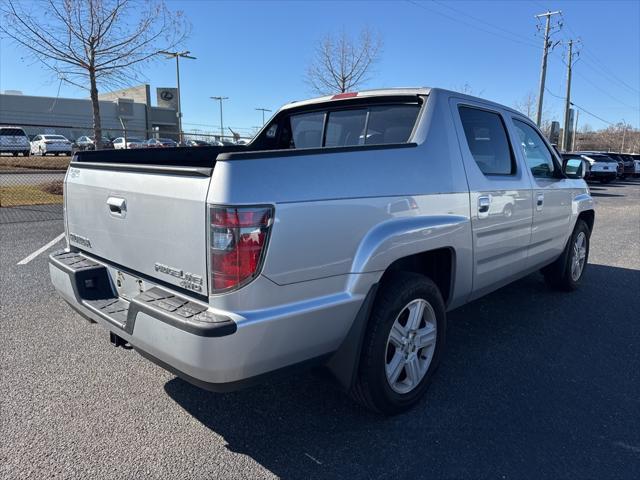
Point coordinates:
[(340, 236)]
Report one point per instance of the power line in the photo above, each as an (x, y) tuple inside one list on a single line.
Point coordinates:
[(469, 24), (580, 108), (596, 62), (491, 25), (592, 114)]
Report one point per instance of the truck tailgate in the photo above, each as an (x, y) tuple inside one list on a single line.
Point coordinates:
[(147, 220)]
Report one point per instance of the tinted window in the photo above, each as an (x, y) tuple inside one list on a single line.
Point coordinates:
[(536, 153), (391, 123), (306, 130), (487, 141), (345, 128), (36, 138), (13, 132)]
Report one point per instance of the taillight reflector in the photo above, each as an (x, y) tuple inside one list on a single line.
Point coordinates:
[(237, 242)]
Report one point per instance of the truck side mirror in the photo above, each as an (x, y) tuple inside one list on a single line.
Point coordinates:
[(574, 168)]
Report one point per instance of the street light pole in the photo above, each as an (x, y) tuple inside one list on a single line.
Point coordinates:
[(220, 99), (177, 56), (263, 110)]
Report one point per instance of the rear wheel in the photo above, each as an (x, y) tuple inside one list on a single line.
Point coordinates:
[(566, 272), (26, 153), (402, 345), (15, 154)]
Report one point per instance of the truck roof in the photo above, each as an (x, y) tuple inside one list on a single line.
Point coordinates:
[(398, 91)]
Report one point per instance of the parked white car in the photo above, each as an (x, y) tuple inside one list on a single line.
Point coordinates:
[(131, 142), (56, 144), (14, 140)]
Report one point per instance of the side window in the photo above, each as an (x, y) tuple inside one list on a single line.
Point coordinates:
[(345, 128), (487, 140), (306, 130), (538, 157), (37, 137)]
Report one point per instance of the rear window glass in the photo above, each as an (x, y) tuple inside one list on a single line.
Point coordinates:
[(377, 125), (391, 123), (346, 128), (602, 158), (53, 137), (13, 132), (306, 130)]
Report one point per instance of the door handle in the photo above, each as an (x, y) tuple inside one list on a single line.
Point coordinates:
[(539, 201), (117, 206), (484, 201)]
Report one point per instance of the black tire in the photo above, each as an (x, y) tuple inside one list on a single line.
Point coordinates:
[(558, 275), (15, 154), (372, 389), (26, 153)]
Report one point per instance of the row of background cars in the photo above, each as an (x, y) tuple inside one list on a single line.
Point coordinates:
[(14, 140), (607, 166)]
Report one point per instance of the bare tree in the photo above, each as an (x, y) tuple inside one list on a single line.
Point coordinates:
[(91, 43), (342, 64), (467, 89), (527, 105)]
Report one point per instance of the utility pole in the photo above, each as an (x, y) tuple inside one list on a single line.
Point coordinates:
[(545, 53), (177, 56), (263, 110), (575, 133), (220, 99), (624, 134), (567, 100)]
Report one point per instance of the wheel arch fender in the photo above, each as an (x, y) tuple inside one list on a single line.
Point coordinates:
[(386, 246), (401, 237)]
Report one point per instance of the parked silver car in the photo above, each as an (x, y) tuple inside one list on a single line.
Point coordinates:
[(13, 140), (341, 235)]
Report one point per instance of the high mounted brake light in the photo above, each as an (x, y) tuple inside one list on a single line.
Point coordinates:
[(344, 95), (238, 239)]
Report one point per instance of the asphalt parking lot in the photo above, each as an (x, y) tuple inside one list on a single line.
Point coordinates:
[(535, 384)]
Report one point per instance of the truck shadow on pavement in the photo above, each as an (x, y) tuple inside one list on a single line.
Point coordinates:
[(534, 384)]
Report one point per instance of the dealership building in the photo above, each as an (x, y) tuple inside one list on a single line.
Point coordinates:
[(124, 111)]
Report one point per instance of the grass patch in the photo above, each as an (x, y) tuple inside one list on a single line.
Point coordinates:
[(34, 163), (31, 194)]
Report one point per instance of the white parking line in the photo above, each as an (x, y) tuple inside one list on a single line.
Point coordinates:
[(27, 259)]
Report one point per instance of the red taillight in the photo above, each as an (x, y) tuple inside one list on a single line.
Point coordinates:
[(237, 242)]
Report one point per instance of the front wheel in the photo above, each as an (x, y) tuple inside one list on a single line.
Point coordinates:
[(402, 345), (567, 271)]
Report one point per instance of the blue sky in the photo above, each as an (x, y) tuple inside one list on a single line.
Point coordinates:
[(257, 53)]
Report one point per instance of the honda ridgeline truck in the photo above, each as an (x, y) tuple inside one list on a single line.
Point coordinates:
[(341, 235)]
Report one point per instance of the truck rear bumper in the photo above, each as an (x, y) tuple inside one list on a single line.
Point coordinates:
[(219, 351)]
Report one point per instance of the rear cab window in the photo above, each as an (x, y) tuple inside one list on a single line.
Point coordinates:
[(12, 132), (342, 125)]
